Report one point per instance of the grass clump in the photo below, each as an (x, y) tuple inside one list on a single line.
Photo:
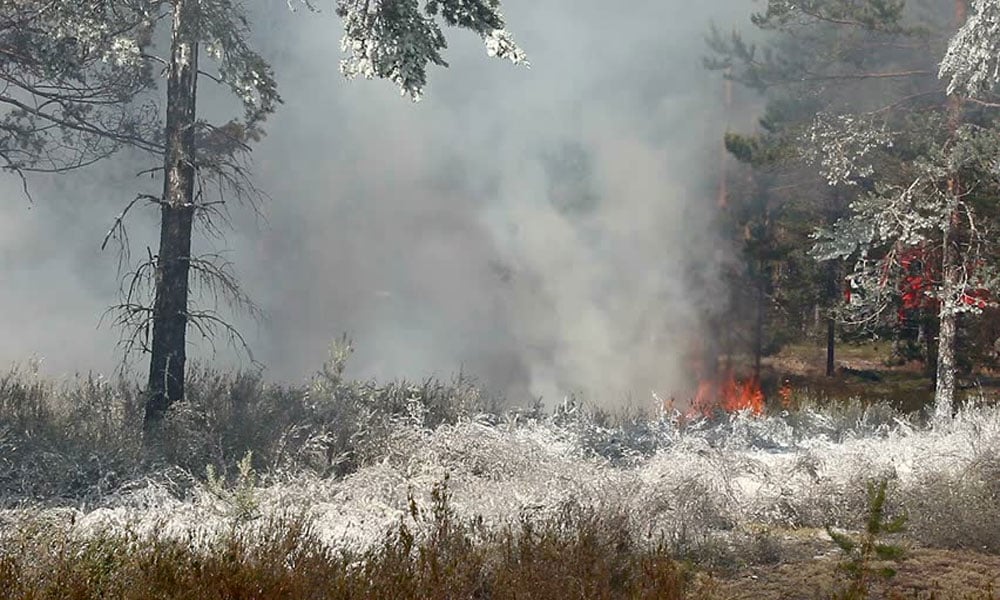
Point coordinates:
[(960, 509)]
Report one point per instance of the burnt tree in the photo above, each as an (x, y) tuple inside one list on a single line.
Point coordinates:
[(173, 261)]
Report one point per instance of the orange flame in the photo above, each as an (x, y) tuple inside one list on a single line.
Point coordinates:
[(730, 396)]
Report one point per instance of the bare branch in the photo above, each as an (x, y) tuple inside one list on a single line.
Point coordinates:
[(117, 225)]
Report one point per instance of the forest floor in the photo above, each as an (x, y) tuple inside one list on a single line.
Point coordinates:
[(862, 371), (809, 569)]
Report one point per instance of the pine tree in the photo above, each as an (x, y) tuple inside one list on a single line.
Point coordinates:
[(388, 40), (910, 161), (972, 62), (73, 79)]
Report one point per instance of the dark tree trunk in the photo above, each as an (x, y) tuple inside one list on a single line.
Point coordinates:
[(930, 336), (831, 341), (170, 316), (758, 333), (832, 298)]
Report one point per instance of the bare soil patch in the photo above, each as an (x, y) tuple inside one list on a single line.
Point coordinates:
[(924, 573)]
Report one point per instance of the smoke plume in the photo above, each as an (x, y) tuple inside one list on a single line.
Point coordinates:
[(537, 229)]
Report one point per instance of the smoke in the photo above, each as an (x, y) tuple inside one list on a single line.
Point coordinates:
[(537, 229)]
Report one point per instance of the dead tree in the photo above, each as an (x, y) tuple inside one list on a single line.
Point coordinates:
[(170, 316)]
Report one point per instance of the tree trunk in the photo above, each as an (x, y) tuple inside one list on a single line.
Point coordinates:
[(758, 334), (722, 200), (831, 340), (170, 316), (930, 326), (944, 388), (944, 391), (833, 296)]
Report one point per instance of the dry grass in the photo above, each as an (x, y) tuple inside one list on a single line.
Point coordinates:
[(574, 556), (925, 574)]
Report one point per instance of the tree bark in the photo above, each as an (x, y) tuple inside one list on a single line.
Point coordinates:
[(758, 333), (170, 305), (833, 296), (944, 391), (722, 200), (929, 325), (831, 341), (944, 388)]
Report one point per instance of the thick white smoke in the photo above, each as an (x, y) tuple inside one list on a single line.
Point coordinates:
[(532, 228)]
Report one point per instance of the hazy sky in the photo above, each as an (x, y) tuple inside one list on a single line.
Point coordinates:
[(532, 227)]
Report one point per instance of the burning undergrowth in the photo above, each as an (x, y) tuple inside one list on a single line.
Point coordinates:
[(355, 459), (728, 395)]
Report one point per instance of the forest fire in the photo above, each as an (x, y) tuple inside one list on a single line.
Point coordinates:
[(730, 395)]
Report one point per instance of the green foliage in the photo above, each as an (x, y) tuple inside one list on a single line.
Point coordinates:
[(855, 162), (74, 84), (874, 15), (397, 40), (335, 365), (864, 554), (752, 150), (240, 498), (970, 64)]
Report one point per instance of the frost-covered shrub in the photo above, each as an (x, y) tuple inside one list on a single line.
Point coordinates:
[(331, 427), (222, 417), (624, 438), (82, 438), (350, 455), (77, 440), (843, 419), (955, 512), (957, 504), (347, 424)]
